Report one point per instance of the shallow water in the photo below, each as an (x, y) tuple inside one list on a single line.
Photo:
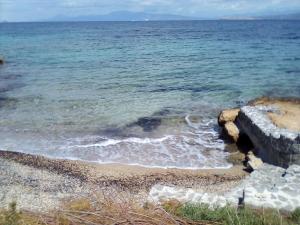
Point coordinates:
[(122, 91)]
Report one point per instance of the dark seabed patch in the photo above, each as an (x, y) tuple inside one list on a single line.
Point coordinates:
[(148, 123), (9, 81), (200, 88), (293, 71), (9, 86), (145, 126), (10, 77), (8, 102)]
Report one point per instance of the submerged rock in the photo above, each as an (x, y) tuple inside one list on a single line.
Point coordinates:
[(236, 158), (228, 115)]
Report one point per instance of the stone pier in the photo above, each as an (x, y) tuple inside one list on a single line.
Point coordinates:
[(272, 125), (275, 145)]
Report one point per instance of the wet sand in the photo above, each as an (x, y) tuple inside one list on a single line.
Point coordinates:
[(40, 183)]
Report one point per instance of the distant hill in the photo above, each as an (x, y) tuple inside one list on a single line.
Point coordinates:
[(143, 16), (292, 16), (124, 16)]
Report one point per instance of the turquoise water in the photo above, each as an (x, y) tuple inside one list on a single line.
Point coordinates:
[(138, 92)]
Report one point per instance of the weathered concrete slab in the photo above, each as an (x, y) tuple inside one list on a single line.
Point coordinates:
[(275, 145), (267, 187)]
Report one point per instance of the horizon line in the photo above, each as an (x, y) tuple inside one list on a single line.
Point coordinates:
[(215, 19)]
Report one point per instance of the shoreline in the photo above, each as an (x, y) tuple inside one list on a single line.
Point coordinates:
[(40, 183), (82, 169), (32, 176), (73, 159)]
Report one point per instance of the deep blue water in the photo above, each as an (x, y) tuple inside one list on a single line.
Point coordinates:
[(138, 92)]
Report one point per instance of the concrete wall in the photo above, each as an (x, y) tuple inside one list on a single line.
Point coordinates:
[(274, 145)]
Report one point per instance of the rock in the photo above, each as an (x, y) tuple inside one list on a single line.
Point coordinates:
[(232, 131), (253, 162), (236, 158), (228, 115), (1, 61)]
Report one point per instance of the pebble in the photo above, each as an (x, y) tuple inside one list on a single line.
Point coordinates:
[(36, 190)]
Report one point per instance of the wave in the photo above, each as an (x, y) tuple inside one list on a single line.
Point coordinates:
[(109, 141), (196, 145)]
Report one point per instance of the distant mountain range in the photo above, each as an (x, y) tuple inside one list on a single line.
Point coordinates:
[(124, 16), (143, 16), (292, 16)]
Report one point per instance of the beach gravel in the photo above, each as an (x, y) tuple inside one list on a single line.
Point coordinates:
[(39, 184)]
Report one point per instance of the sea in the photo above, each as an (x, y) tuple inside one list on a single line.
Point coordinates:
[(140, 93)]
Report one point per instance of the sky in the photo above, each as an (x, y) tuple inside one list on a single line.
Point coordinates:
[(38, 10)]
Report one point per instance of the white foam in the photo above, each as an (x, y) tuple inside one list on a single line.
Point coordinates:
[(207, 136), (109, 142), (187, 120), (195, 146), (190, 146)]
